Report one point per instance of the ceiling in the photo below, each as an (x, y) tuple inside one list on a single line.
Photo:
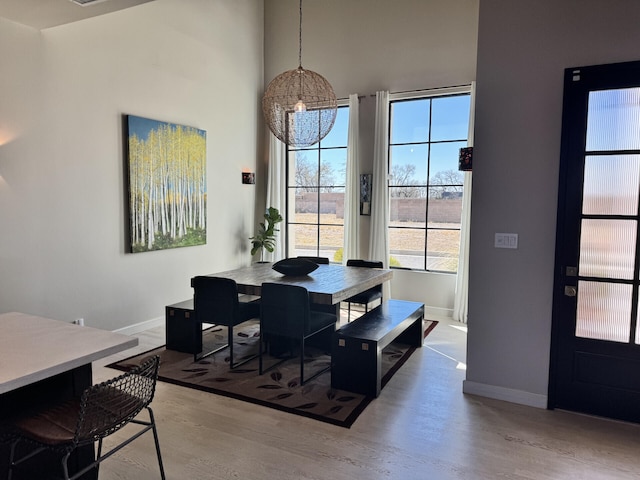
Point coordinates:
[(50, 13)]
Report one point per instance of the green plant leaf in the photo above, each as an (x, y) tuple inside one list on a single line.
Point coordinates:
[(265, 236)]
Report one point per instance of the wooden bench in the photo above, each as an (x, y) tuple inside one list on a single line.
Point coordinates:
[(181, 328), (356, 353)]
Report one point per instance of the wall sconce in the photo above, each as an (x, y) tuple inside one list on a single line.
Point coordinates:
[(248, 178), (465, 161)]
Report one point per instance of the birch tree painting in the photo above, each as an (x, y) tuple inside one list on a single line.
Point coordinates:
[(167, 185)]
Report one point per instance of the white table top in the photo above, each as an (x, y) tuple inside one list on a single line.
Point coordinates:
[(35, 348)]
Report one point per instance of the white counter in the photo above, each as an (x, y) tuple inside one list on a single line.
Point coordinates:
[(35, 348)]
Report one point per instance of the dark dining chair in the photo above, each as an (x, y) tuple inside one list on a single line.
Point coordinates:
[(368, 296), (215, 301), (102, 410), (286, 314), (318, 260), (6, 436)]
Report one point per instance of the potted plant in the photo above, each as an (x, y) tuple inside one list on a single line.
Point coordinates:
[(265, 239)]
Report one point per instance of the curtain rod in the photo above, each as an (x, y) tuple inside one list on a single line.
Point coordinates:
[(422, 90)]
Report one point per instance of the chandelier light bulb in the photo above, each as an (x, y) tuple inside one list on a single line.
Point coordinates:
[(300, 106)]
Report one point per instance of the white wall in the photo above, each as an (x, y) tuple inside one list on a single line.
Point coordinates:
[(62, 205), (523, 49), (19, 106), (362, 46), (63, 251)]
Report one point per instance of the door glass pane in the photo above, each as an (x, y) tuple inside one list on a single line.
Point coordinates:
[(607, 248), (613, 119), (611, 185), (604, 311)]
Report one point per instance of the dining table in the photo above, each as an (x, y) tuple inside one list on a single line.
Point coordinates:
[(42, 359), (328, 285)]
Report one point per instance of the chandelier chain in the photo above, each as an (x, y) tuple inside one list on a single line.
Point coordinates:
[(300, 39), (299, 106)]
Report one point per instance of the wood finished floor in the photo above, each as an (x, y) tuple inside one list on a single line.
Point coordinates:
[(421, 427)]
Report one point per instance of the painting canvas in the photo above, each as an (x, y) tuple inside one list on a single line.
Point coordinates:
[(167, 185)]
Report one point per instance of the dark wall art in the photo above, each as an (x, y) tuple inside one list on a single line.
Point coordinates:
[(365, 194), (167, 184)]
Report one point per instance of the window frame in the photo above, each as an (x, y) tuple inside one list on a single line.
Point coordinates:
[(318, 148), (463, 90)]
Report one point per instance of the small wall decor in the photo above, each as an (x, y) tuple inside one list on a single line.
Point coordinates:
[(248, 178), (365, 194), (465, 161), (167, 184)]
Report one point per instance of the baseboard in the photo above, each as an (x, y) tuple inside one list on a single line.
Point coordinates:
[(438, 313), (142, 326), (507, 394)]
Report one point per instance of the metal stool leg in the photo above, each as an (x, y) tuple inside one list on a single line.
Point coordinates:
[(155, 438)]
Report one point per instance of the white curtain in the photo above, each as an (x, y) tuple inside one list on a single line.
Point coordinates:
[(461, 299), (379, 239), (351, 194), (276, 192)]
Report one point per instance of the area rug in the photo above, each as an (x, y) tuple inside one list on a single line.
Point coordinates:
[(278, 388)]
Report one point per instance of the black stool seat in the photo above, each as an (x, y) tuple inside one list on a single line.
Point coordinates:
[(102, 410)]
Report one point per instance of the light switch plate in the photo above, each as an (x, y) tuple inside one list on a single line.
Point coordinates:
[(506, 240)]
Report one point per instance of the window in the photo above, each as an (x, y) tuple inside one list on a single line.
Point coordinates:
[(425, 186), (316, 179)]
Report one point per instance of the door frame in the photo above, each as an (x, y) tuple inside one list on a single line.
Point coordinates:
[(626, 74)]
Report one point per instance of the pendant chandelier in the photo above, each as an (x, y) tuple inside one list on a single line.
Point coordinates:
[(299, 105)]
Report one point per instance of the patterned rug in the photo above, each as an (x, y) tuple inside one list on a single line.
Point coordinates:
[(278, 388)]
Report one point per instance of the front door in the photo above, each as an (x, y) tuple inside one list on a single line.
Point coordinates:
[(595, 363)]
